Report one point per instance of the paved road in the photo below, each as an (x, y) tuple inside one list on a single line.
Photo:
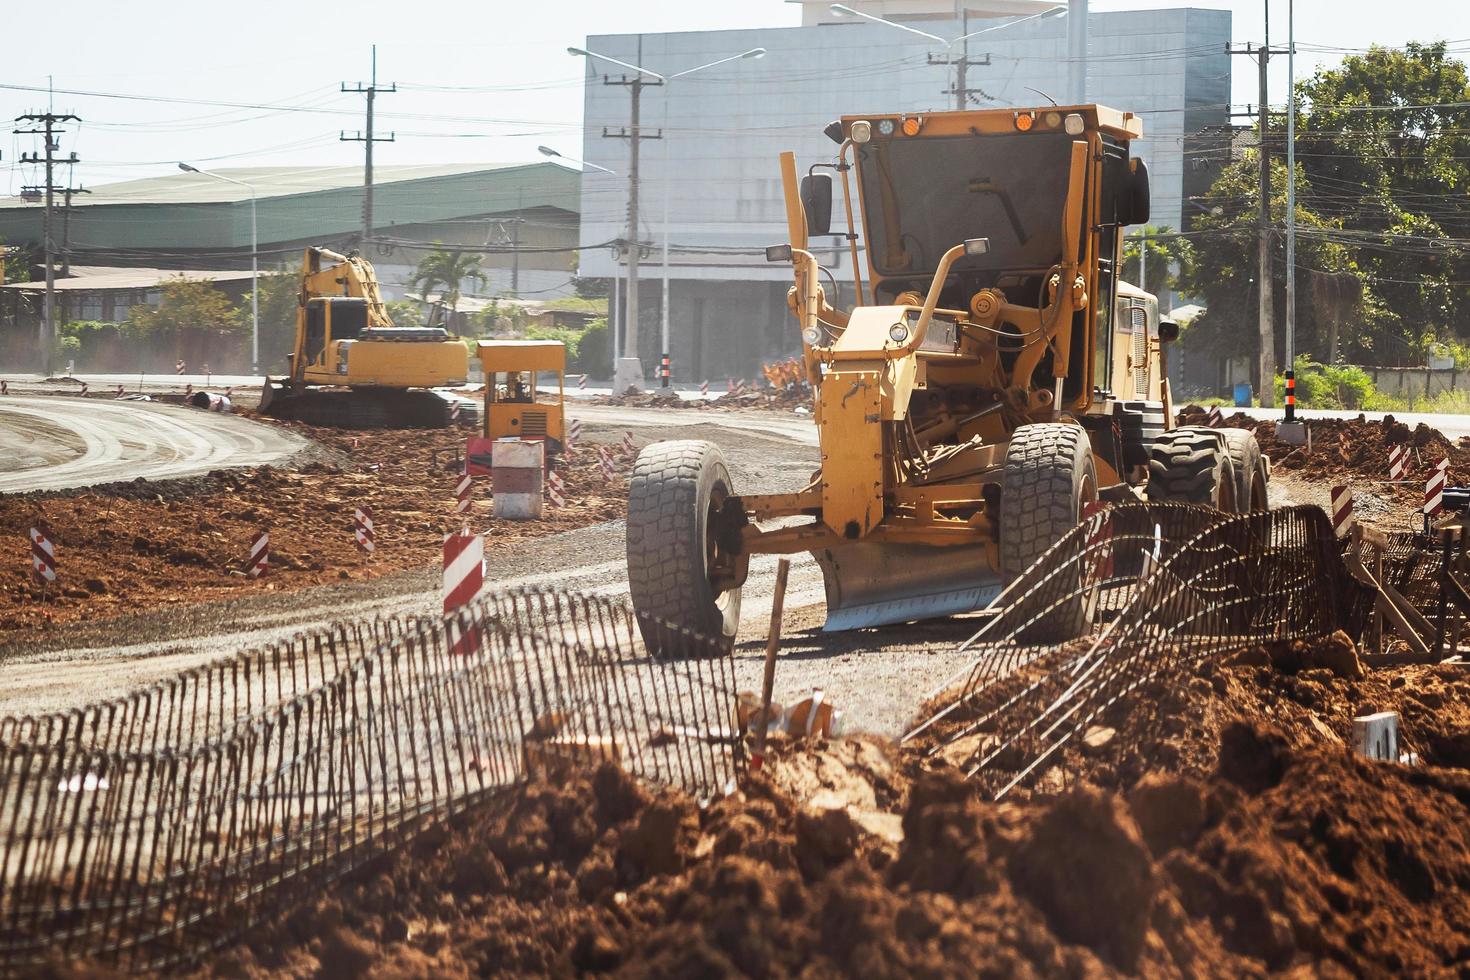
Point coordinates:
[(55, 443)]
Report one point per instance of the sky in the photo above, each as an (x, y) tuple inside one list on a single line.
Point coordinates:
[(477, 82)]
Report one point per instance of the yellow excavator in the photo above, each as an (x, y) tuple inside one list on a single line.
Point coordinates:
[(350, 367), (992, 380)]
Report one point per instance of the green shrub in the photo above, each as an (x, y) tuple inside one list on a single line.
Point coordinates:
[(1328, 386)]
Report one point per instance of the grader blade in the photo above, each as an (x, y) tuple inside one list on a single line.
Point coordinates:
[(870, 584)]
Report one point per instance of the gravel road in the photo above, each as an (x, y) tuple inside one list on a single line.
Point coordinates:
[(55, 443)]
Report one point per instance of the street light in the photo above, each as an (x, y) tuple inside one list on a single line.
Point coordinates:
[(842, 10), (668, 180), (547, 151), (254, 264)]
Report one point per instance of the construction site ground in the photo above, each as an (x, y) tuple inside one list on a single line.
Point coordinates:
[(1227, 831), (152, 573)]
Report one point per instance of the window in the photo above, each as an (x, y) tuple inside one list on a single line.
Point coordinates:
[(89, 306)]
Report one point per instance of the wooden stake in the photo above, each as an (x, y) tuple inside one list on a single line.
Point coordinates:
[(773, 642)]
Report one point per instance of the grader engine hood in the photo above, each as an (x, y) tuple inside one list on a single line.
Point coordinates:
[(862, 387)]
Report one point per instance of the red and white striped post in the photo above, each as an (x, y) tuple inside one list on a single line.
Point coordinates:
[(464, 576), (260, 554), (582, 383), (43, 555), (605, 462), (454, 412), (1434, 489), (1398, 461), (462, 492), (179, 366), (120, 392), (629, 446), (1214, 416), (4, 387), (188, 389), (729, 386), (362, 529), (574, 433), (556, 490), (1342, 510), (704, 389), (83, 392)]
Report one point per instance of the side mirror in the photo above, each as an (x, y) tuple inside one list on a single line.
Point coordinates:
[(1168, 331), (1133, 194), (816, 201)]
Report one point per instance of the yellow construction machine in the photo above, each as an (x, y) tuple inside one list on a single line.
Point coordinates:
[(992, 379), (352, 368), (514, 406)]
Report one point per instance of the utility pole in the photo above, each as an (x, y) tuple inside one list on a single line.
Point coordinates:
[(635, 136), (1077, 51), (513, 239), (961, 90), (1265, 290), (67, 192), (1291, 212), (368, 139), (47, 121)]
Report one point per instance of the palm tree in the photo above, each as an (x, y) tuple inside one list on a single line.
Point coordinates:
[(445, 269)]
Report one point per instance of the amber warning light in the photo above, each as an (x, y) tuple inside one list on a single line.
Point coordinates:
[(1025, 120)]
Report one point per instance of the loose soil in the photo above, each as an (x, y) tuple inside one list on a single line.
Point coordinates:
[(122, 548), (1228, 833)]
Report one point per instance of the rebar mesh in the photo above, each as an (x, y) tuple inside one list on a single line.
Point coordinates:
[(145, 831), (1182, 583)]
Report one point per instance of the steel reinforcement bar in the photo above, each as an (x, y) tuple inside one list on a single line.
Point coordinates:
[(143, 832), (1169, 584)]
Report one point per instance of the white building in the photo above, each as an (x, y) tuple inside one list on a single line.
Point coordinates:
[(723, 129)]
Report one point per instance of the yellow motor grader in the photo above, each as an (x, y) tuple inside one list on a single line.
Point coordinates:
[(993, 378)]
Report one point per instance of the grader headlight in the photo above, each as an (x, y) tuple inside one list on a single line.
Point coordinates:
[(860, 131), (812, 336), (899, 332)]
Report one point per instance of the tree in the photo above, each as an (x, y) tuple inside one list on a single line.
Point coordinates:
[(1170, 258), (443, 270), (193, 320), (279, 296)]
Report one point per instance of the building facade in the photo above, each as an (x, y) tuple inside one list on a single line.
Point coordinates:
[(717, 134)]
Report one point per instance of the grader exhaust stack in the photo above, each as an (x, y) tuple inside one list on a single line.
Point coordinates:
[(992, 380)]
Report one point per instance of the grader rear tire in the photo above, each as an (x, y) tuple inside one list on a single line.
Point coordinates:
[(1192, 466), (1250, 470), (677, 489), (1049, 475)]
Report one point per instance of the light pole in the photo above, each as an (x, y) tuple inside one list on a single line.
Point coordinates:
[(254, 265), (960, 89), (668, 180), (612, 309), (630, 316)]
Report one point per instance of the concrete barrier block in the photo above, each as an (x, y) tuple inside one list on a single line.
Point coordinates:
[(518, 468)]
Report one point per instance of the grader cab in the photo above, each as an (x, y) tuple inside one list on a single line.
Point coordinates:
[(991, 379), (516, 404)]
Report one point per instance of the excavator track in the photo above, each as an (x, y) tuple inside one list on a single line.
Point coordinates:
[(372, 409)]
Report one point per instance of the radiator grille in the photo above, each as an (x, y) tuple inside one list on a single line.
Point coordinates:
[(1140, 351), (533, 424)]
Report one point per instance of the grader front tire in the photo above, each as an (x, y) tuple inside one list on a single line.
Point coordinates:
[(677, 490), (1049, 476)]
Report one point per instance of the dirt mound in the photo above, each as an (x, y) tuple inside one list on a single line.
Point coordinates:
[(1274, 858), (125, 547), (1350, 446)]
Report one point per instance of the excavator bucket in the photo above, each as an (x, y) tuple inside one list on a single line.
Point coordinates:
[(874, 584), (268, 392)]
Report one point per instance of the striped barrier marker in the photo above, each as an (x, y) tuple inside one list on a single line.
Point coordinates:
[(1214, 417), (729, 386), (1342, 510), (1434, 491), (260, 554), (362, 529), (454, 412), (462, 491), (629, 446), (582, 382), (188, 389), (604, 462), (704, 389), (4, 387), (555, 489), (464, 576), (178, 367), (43, 555), (574, 434), (1398, 461), (83, 392), (120, 391)]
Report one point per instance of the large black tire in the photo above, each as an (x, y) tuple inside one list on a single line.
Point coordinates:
[(677, 489), (1192, 466), (1250, 470), (1049, 475)]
